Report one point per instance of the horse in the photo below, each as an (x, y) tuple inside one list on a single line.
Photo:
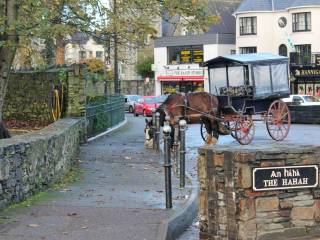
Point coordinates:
[(194, 108), (148, 131)]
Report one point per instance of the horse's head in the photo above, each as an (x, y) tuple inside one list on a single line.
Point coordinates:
[(148, 131)]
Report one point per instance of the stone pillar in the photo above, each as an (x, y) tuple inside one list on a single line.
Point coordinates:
[(76, 106), (230, 209)]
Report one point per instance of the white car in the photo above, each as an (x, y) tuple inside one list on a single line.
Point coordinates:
[(303, 100)]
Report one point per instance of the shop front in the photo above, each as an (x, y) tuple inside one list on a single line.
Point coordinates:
[(306, 80), (181, 80)]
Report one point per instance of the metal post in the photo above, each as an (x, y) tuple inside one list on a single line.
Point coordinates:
[(154, 128), (183, 125), (176, 149), (167, 165), (157, 132), (167, 120)]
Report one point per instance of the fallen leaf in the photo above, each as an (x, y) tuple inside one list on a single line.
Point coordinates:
[(72, 214), (33, 225)]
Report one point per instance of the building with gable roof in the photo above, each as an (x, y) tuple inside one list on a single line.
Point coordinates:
[(82, 46), (285, 27)]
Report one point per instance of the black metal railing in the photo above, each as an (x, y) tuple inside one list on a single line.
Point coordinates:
[(104, 113)]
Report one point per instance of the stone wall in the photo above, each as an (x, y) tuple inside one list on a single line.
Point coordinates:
[(29, 95), (138, 87), (305, 114), (230, 209), (31, 162)]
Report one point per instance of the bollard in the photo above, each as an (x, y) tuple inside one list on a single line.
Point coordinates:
[(183, 125), (157, 139), (167, 120), (176, 150), (154, 127), (167, 165)]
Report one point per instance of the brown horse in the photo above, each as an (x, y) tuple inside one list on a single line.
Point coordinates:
[(194, 108)]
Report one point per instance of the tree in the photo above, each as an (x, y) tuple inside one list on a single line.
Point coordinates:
[(8, 46), (129, 22), (37, 18), (144, 67), (56, 19)]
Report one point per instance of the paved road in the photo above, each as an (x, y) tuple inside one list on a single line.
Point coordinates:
[(300, 134), (121, 196)]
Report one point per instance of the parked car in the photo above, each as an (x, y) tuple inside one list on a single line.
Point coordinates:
[(303, 100), (130, 101), (145, 105)]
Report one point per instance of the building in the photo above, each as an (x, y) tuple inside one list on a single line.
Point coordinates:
[(178, 61), (82, 46), (285, 27), (179, 53)]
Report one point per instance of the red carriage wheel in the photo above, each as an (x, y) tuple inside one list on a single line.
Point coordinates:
[(232, 127), (278, 120), (244, 130)]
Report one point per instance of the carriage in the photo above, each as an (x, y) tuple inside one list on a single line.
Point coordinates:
[(249, 88)]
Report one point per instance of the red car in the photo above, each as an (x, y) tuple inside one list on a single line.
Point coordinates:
[(145, 105)]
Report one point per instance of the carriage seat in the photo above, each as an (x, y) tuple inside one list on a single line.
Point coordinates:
[(240, 91)]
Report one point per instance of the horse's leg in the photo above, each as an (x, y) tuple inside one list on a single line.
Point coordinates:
[(171, 136), (215, 130), (208, 125)]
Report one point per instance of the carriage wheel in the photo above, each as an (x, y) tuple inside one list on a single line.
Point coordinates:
[(244, 130), (203, 132), (278, 120), (232, 127)]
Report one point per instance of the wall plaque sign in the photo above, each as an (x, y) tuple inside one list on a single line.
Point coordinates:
[(289, 177)]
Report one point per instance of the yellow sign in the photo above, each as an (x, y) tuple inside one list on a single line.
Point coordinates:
[(198, 56)]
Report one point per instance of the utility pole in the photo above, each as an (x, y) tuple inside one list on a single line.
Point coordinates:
[(115, 39)]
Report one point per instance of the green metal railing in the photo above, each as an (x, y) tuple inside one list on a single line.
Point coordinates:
[(104, 113)]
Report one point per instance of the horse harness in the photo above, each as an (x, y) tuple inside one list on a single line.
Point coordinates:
[(186, 106)]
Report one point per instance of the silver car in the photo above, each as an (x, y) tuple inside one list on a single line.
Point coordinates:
[(129, 101)]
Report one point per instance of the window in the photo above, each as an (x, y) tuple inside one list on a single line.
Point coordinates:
[(90, 54), (301, 22), (147, 39), (248, 26), (303, 54), (99, 54), (82, 54), (246, 50), (283, 51), (262, 80), (185, 54)]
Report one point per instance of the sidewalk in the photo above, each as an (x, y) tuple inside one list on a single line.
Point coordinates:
[(120, 196)]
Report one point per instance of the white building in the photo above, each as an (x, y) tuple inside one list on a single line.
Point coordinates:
[(178, 59), (81, 47), (285, 27)]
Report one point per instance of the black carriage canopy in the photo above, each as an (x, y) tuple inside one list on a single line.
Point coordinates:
[(260, 75)]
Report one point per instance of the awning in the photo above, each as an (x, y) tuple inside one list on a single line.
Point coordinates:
[(180, 78)]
